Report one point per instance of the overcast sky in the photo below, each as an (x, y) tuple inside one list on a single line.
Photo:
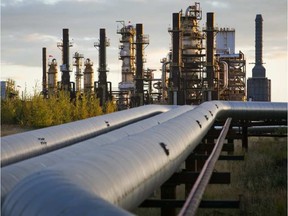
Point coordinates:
[(29, 25)]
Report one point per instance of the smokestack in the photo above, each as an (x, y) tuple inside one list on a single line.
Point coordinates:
[(258, 39), (139, 63), (65, 61), (212, 92), (258, 70), (259, 86), (102, 77), (176, 59), (44, 69), (210, 50)]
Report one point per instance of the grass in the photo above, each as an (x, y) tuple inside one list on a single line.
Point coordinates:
[(260, 180)]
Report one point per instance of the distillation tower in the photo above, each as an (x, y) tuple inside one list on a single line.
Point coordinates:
[(78, 62), (131, 53), (88, 76), (52, 77), (192, 54), (127, 55)]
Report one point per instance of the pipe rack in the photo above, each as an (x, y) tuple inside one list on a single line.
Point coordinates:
[(12, 174), (126, 172)]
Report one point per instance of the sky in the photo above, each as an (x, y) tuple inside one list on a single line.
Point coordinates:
[(29, 25)]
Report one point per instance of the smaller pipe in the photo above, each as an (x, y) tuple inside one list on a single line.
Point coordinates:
[(226, 68), (175, 98), (164, 87), (193, 201)]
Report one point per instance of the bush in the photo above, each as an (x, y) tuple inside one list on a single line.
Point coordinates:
[(35, 111), (8, 112), (110, 107)]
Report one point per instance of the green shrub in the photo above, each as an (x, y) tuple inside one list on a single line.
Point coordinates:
[(8, 112), (38, 113), (110, 107), (35, 111)]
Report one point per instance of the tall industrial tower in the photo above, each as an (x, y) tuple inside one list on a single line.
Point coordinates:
[(259, 86)]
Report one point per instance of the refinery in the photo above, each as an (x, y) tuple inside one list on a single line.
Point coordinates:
[(201, 65), (170, 128)]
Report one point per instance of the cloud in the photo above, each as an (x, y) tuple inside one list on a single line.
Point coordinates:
[(40, 37), (218, 4)]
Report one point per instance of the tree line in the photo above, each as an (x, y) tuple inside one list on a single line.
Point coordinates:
[(37, 112)]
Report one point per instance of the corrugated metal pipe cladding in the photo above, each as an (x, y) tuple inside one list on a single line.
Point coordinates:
[(29, 144), (117, 177), (13, 173)]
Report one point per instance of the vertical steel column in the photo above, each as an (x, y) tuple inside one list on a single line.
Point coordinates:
[(44, 72), (139, 65), (168, 191), (176, 60), (210, 54), (190, 165), (245, 136), (102, 76), (65, 79)]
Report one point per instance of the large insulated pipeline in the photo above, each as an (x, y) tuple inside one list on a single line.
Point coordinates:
[(14, 173), (25, 145), (126, 172)]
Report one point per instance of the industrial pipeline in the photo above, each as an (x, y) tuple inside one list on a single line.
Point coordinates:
[(125, 172), (13, 173), (25, 145)]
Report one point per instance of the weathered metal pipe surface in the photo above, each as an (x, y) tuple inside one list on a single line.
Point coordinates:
[(25, 145), (126, 172), (14, 173)]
